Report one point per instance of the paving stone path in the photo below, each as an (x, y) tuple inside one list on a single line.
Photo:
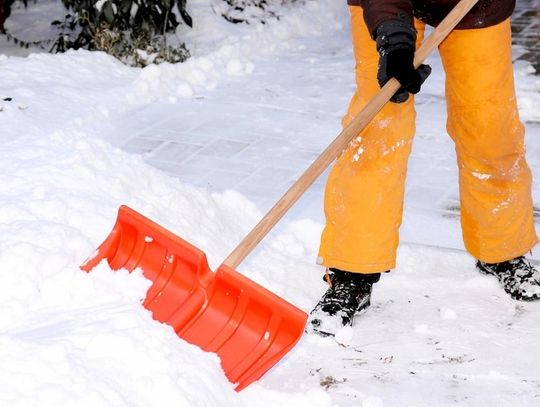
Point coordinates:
[(526, 31), (265, 136)]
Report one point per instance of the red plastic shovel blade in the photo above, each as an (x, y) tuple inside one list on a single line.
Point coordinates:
[(249, 327)]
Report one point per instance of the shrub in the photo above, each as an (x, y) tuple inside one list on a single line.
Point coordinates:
[(248, 11), (135, 31)]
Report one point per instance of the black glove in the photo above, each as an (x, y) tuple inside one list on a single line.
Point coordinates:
[(396, 42)]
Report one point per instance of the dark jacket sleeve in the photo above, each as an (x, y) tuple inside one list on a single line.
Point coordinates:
[(484, 14), (377, 11)]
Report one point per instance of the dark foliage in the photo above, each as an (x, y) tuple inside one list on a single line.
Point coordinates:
[(132, 30), (136, 31), (249, 11), (5, 11)]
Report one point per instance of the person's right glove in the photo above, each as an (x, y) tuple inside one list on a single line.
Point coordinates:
[(396, 43)]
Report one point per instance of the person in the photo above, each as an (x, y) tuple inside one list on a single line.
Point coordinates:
[(364, 191)]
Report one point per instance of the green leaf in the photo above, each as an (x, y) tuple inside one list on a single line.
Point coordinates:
[(108, 12), (183, 13)]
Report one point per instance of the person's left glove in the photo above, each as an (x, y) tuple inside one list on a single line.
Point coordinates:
[(396, 43)]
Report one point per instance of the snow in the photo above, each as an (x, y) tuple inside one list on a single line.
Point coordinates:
[(99, 4), (481, 176), (437, 333), (528, 90)]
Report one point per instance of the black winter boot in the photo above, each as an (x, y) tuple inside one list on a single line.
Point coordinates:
[(347, 294), (518, 277)]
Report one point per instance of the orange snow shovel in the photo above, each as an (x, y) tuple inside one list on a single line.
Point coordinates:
[(249, 327)]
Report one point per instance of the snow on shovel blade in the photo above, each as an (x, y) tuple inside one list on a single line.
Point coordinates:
[(249, 327)]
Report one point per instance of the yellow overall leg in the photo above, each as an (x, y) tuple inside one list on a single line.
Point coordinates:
[(495, 181), (364, 191)]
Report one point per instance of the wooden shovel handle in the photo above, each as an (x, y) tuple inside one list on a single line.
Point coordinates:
[(343, 139)]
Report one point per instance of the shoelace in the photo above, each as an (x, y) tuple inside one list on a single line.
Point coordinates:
[(517, 276), (343, 295)]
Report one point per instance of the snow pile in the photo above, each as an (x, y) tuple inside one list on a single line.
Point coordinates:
[(84, 339), (71, 338), (220, 48)]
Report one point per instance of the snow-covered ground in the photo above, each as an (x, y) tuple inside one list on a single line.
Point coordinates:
[(438, 333)]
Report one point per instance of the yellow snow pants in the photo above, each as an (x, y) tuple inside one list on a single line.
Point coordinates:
[(364, 192)]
